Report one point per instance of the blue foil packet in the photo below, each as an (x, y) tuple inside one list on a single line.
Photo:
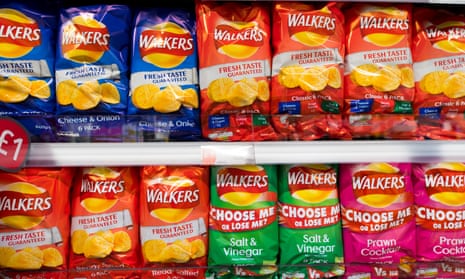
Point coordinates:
[(92, 60), (164, 73), (27, 60)]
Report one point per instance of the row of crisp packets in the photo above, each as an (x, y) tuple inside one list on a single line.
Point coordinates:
[(322, 59), (235, 221)]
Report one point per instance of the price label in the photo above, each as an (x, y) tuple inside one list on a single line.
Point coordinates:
[(14, 144)]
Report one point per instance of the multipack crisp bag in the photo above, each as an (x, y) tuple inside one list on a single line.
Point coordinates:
[(234, 64), (243, 227), (378, 217), (174, 219), (27, 60), (378, 63), (440, 206), (91, 69), (34, 221), (309, 221), (164, 71), (104, 220), (308, 56), (439, 55)]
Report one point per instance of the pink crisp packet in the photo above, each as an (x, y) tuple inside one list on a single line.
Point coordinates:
[(378, 218), (440, 217)]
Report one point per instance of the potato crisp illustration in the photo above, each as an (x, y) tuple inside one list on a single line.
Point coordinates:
[(121, 242), (334, 77), (198, 249), (52, 257), (243, 93), (289, 76), (142, 96), (12, 49), (163, 59), (406, 77), (363, 75), (78, 238), (73, 52), (165, 100), (87, 96), (22, 222), (314, 79), (387, 79), (188, 97), (40, 89), (110, 93), (174, 253), (65, 92), (5, 255), (14, 89), (151, 249), (263, 91), (218, 89), (433, 82), (96, 246), (23, 260), (454, 86)]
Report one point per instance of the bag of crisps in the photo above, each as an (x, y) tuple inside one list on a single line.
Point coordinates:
[(91, 68), (310, 220), (439, 55), (308, 57), (27, 60), (243, 228), (378, 218), (378, 63), (164, 78), (174, 219), (234, 65), (440, 204), (104, 220), (34, 222)]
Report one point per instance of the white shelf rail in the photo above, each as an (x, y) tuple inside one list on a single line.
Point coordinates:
[(238, 153)]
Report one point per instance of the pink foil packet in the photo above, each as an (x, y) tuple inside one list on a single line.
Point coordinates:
[(378, 218), (440, 219)]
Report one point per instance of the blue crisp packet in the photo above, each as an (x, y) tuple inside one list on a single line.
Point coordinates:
[(27, 59), (92, 60), (164, 71)]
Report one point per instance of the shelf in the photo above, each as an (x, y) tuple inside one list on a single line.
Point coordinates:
[(235, 153)]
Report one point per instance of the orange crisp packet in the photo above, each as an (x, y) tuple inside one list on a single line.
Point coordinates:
[(174, 218), (439, 62), (104, 219), (34, 221), (378, 72), (307, 68), (234, 62)]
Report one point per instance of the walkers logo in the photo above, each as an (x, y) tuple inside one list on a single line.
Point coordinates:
[(447, 34), (19, 34), (378, 185), (171, 199), (313, 183), (445, 183), (84, 39), (100, 188), (384, 26), (238, 40), (242, 185), (312, 28), (23, 205), (166, 45)]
